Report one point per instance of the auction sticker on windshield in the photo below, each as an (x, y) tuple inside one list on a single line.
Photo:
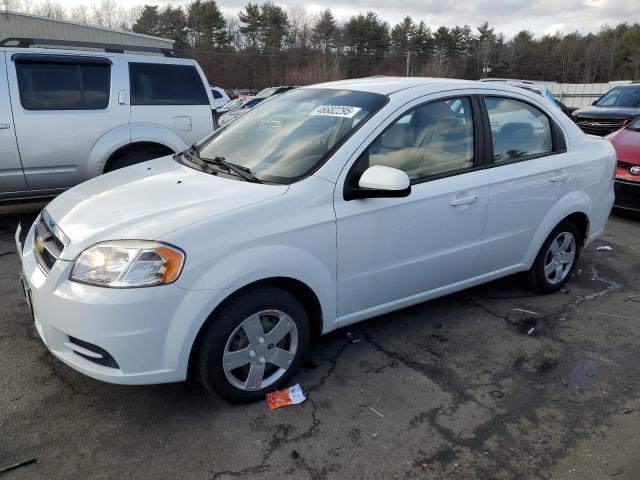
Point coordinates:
[(335, 111)]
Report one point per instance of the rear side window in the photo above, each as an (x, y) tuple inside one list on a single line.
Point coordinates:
[(163, 84), (518, 129), (63, 85), (216, 94)]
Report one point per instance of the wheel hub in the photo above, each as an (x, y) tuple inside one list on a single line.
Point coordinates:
[(260, 350)]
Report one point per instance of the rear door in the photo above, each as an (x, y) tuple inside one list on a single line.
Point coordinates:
[(63, 105), (11, 174), (171, 95), (528, 173)]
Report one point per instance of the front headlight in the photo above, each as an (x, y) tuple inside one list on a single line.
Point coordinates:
[(128, 263)]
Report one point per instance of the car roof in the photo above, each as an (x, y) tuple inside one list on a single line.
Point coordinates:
[(389, 85)]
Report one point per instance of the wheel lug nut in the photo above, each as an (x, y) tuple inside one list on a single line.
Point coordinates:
[(262, 360), (261, 340), (252, 353)]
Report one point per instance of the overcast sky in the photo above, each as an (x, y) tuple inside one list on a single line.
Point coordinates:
[(508, 16)]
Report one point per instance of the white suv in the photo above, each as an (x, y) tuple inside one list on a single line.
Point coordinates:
[(323, 207), (70, 115)]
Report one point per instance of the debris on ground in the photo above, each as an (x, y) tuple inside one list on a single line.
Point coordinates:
[(285, 397), (604, 248), (375, 435), (351, 338), (496, 394), (525, 311), (295, 455), (15, 466), (374, 410)]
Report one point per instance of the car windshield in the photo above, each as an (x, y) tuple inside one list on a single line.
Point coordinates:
[(620, 97), (267, 92), (233, 104), (290, 135)]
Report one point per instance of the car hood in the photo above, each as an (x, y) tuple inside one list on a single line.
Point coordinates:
[(627, 145), (607, 112), (148, 200)]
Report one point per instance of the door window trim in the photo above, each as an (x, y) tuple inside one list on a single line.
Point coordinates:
[(356, 170), (558, 142)]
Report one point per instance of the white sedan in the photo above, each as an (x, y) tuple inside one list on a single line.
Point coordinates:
[(327, 206)]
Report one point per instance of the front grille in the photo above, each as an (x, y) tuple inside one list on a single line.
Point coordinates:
[(106, 360), (47, 243), (599, 126), (627, 195), (627, 166)]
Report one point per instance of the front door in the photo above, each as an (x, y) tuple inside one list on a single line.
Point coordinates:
[(11, 174), (392, 251), (63, 105)]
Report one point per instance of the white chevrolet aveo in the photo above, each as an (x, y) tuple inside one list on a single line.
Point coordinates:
[(326, 206)]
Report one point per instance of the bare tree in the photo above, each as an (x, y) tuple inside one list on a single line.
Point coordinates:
[(80, 14), (51, 9)]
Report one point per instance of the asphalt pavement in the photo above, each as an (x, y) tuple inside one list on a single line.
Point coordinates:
[(490, 383)]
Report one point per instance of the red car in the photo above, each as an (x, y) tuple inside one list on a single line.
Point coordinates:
[(626, 141)]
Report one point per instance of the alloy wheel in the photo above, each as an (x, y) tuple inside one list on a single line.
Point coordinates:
[(260, 350), (560, 257)]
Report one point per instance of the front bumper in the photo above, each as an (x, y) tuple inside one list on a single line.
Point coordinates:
[(148, 332), (627, 195)]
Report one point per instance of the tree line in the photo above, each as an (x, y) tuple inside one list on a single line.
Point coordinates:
[(264, 44)]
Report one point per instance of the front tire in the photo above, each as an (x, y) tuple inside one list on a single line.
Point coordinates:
[(556, 260), (254, 344)]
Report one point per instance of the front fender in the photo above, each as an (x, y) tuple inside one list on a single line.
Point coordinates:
[(573, 202), (238, 270), (231, 274)]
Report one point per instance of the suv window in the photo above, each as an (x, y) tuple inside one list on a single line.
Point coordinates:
[(216, 94), (63, 85), (432, 139), (518, 129), (163, 84)]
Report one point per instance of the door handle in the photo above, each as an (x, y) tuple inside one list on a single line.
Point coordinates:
[(5, 126), (559, 178), (456, 202)]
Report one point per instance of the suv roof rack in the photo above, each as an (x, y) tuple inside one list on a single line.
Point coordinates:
[(24, 42)]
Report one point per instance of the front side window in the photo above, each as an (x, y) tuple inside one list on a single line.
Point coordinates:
[(621, 97), (165, 84), (518, 129), (64, 85), (290, 135), (433, 139)]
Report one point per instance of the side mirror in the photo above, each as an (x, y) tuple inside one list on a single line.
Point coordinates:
[(379, 181)]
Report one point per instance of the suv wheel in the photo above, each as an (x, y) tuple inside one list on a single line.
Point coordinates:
[(254, 345), (556, 260)]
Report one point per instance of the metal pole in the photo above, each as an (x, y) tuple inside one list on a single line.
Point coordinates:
[(408, 62)]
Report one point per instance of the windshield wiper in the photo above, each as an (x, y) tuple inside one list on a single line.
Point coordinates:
[(242, 172), (239, 170)]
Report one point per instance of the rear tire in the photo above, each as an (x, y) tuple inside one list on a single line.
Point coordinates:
[(133, 158), (246, 335), (556, 259)]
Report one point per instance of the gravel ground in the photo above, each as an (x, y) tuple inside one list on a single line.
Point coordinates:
[(490, 383)]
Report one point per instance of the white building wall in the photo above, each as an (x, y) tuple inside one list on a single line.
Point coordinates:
[(21, 25)]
